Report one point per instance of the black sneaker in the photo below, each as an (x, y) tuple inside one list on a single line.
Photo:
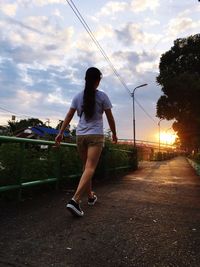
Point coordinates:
[(75, 208), (92, 200)]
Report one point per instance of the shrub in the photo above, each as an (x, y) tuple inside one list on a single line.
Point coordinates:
[(197, 158), (28, 162)]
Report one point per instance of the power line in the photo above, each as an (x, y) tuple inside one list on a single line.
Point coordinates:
[(87, 28), (16, 114), (148, 115), (12, 112)]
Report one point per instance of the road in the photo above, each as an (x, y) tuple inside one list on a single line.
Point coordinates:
[(149, 217)]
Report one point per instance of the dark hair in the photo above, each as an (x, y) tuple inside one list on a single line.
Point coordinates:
[(91, 77)]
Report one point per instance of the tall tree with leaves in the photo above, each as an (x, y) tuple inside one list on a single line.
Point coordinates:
[(180, 80)]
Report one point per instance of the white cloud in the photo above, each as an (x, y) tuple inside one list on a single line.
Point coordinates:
[(142, 5), (57, 98), (28, 99), (104, 35), (8, 9), (57, 13), (185, 12), (24, 75), (37, 39), (112, 8), (42, 23), (147, 66), (125, 59), (47, 2), (105, 31), (37, 3), (151, 22), (181, 24), (132, 33)]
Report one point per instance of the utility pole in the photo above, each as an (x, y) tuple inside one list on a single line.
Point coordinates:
[(159, 134), (133, 97)]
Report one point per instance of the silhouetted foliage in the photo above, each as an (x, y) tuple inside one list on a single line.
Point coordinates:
[(180, 80), (59, 125)]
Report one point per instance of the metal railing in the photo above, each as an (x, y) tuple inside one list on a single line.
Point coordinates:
[(152, 144), (21, 154)]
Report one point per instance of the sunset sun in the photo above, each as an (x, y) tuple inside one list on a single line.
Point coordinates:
[(167, 138)]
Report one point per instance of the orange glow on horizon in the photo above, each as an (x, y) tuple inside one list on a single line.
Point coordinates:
[(166, 138)]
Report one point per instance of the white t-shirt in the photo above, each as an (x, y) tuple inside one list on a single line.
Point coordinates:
[(93, 125)]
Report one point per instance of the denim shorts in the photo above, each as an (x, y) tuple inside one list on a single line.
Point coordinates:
[(84, 141)]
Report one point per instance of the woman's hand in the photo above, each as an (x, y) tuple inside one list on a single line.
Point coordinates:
[(66, 122), (111, 123), (114, 138), (58, 139)]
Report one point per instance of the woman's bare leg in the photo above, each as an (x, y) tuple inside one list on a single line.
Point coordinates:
[(83, 156), (93, 155), (89, 189)]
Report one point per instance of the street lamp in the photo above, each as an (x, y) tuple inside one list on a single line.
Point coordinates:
[(159, 132), (133, 96)]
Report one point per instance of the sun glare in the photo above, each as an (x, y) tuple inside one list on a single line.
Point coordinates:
[(167, 138)]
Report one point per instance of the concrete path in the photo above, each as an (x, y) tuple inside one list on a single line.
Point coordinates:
[(150, 217)]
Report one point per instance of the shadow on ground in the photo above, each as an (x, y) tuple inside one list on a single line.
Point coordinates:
[(150, 217)]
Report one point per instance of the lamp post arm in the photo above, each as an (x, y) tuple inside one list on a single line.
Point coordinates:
[(133, 96)]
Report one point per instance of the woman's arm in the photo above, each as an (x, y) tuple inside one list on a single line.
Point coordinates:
[(66, 121), (111, 123)]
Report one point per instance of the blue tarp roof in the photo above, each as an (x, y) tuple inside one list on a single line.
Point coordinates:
[(45, 130)]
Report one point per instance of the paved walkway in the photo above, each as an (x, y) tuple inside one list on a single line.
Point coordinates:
[(150, 217)]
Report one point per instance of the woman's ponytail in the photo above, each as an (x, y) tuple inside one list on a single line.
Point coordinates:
[(93, 75)]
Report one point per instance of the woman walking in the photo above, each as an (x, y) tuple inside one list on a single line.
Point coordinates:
[(90, 105)]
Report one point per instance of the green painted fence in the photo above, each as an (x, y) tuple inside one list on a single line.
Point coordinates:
[(28, 162)]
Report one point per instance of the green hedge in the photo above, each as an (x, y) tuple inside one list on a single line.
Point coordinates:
[(116, 158), (196, 158), (29, 162)]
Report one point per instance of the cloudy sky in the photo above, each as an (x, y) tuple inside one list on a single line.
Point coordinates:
[(45, 51)]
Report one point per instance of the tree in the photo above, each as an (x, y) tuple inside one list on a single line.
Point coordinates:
[(180, 80), (73, 132), (67, 129), (59, 125)]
